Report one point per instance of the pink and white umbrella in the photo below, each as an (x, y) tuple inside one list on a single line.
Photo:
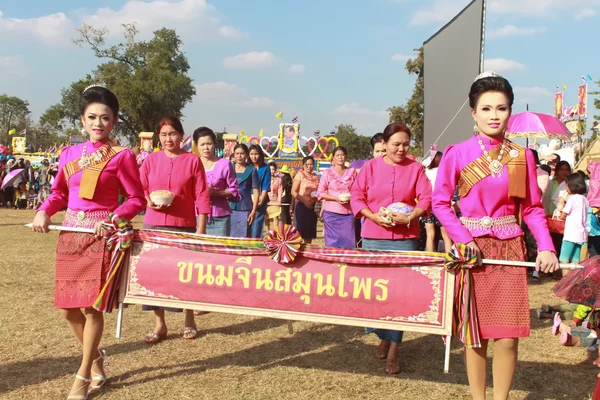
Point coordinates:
[(531, 125), (12, 178)]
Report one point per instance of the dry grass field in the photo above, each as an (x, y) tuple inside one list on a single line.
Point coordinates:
[(240, 357)]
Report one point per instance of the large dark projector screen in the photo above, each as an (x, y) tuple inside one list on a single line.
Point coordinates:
[(452, 60)]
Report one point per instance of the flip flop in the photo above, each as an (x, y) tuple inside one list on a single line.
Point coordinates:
[(556, 324), (190, 333), (153, 338)]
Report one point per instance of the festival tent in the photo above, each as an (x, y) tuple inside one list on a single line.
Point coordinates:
[(591, 154)]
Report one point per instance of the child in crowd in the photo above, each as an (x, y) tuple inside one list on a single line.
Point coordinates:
[(21, 194), (32, 199), (574, 212), (584, 336), (568, 311)]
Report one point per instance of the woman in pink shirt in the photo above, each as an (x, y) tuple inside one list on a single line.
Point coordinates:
[(381, 182), (304, 188), (334, 187), (496, 181), (90, 177), (221, 180), (182, 174)]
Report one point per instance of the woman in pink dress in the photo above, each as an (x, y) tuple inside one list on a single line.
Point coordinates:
[(496, 181), (334, 187), (90, 178), (182, 174)]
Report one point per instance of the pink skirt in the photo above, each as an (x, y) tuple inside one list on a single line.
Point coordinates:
[(501, 296), (82, 263)]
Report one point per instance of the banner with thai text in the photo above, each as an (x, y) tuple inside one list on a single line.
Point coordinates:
[(412, 298), (558, 104), (582, 101)]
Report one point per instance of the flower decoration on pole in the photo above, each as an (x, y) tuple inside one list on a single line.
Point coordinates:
[(283, 244)]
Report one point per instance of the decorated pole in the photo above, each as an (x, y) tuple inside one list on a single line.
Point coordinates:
[(333, 252)]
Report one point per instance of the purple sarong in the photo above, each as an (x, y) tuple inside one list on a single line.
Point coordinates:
[(339, 230)]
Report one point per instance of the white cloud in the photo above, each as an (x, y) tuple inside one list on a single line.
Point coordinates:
[(503, 65), (531, 95), (193, 19), (50, 29), (13, 66), (539, 9), (511, 30), (365, 119), (584, 13), (297, 69), (225, 94), (356, 109), (532, 91), (400, 57), (440, 12), (252, 60), (230, 32), (257, 102)]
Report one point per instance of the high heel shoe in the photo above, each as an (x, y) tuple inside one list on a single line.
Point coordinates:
[(96, 377), (86, 384)]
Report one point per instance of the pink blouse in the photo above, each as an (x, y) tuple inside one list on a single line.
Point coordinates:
[(308, 183), (380, 184), (275, 193), (184, 177), (120, 176), (489, 197), (222, 177), (334, 185)]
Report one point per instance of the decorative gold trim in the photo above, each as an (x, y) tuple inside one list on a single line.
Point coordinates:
[(539, 135), (432, 315), (135, 289)]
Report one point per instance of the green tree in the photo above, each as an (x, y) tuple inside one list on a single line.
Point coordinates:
[(65, 115), (358, 146), (411, 113), (43, 136), (149, 78), (14, 114)]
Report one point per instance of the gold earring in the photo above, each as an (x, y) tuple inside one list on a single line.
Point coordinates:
[(476, 128)]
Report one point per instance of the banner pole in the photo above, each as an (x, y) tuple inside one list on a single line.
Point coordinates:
[(447, 355), (119, 321), (290, 327), (484, 261), (483, 27)]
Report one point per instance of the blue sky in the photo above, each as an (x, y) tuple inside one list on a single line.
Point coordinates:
[(327, 61)]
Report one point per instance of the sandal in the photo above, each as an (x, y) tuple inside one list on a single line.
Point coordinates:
[(190, 333), (96, 377), (153, 338), (86, 383), (556, 325)]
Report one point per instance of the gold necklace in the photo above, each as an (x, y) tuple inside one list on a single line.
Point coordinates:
[(495, 165), (86, 160)]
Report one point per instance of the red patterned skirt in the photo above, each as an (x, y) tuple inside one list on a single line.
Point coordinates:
[(82, 263), (501, 296)]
